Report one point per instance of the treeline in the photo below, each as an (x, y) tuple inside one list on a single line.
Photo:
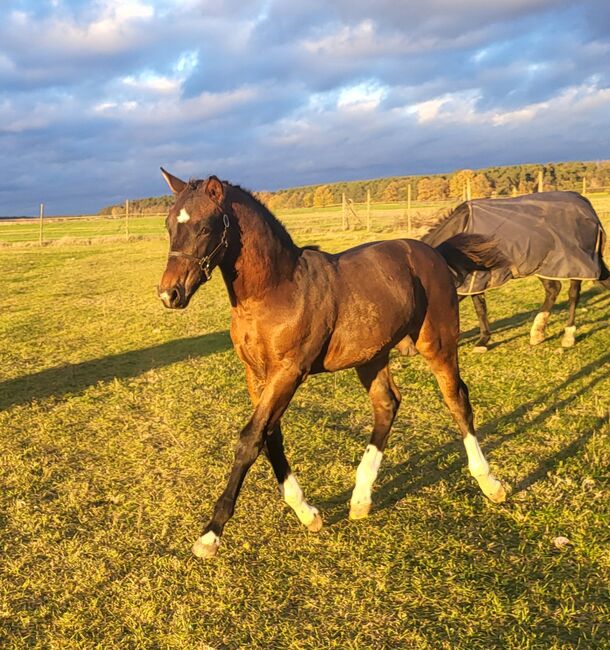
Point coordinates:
[(492, 181)]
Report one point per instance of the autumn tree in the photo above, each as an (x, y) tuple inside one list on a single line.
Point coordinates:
[(392, 192), (480, 186), (432, 189), (322, 196), (459, 182)]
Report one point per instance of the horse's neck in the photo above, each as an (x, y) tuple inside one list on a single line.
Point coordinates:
[(260, 260)]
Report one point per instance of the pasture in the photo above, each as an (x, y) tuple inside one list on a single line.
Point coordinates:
[(117, 425)]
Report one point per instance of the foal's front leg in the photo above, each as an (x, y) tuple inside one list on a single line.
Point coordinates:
[(289, 486), (273, 401), (274, 449)]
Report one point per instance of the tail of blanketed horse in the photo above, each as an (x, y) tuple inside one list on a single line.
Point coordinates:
[(604, 278), (465, 253)]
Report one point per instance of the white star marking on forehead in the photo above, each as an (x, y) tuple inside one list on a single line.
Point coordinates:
[(184, 216)]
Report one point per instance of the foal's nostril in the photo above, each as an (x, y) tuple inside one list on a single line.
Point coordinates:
[(173, 296)]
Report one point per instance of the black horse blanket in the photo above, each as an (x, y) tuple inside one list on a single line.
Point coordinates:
[(554, 235)]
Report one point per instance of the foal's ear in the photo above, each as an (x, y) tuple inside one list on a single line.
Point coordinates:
[(215, 189), (175, 184)]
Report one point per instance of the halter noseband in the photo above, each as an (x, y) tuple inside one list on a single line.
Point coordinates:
[(205, 261)]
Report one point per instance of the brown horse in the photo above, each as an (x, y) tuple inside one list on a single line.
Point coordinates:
[(298, 311)]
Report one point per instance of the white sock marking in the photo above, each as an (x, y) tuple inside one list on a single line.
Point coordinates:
[(210, 539), (293, 496), (538, 327), (366, 475), (184, 216), (479, 467), (542, 318), (569, 336)]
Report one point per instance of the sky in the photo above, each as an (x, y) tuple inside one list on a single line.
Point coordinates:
[(95, 96)]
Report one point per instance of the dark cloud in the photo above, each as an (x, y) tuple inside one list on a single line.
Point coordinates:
[(94, 96)]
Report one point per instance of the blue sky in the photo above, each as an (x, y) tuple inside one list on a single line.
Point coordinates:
[(95, 96)]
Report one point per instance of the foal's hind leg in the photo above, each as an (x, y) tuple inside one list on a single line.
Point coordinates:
[(439, 348), (385, 398), (551, 288), (569, 336), (289, 486)]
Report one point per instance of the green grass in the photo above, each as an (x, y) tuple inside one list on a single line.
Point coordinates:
[(117, 424), (306, 222)]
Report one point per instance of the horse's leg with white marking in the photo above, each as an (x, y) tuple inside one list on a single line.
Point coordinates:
[(274, 450), (272, 403), (443, 361), (551, 288), (480, 306), (569, 336), (289, 487), (385, 399)]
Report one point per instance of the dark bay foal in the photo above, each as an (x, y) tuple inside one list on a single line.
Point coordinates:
[(298, 311)]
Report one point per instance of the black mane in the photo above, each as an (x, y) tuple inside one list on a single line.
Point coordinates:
[(443, 217), (276, 226)]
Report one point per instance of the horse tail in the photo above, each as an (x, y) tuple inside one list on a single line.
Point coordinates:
[(604, 278), (466, 253)]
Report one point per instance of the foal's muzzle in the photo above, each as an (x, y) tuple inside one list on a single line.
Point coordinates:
[(173, 297)]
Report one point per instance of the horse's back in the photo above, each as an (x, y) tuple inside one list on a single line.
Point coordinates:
[(384, 291)]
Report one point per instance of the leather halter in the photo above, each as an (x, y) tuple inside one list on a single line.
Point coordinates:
[(205, 261)]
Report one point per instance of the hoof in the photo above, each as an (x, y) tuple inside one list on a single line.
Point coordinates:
[(568, 339), (359, 511), (499, 496), (206, 546), (537, 339), (316, 525), (479, 349)]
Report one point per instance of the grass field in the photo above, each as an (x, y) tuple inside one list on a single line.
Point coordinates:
[(117, 424), (305, 222)]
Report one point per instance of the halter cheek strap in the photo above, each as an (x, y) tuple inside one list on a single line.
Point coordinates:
[(205, 261)]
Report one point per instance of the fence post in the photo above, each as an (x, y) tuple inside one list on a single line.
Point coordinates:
[(584, 185), (41, 223), (343, 212), (540, 181), (127, 219), (409, 209), (468, 189), (514, 190), (368, 210)]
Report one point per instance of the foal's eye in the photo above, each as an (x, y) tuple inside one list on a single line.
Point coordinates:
[(204, 230)]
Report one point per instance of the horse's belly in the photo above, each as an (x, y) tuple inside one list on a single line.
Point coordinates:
[(362, 335)]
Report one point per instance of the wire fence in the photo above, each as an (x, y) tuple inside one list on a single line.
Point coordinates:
[(412, 218)]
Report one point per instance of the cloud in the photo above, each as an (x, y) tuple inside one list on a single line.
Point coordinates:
[(95, 95)]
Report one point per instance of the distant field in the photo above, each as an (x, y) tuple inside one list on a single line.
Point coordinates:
[(318, 222), (117, 424)]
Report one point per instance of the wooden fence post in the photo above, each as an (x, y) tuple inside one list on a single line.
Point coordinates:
[(343, 212), (540, 181), (468, 189), (584, 185), (127, 219), (41, 239), (409, 209), (368, 210)]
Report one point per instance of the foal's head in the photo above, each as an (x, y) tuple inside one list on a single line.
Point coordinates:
[(198, 225)]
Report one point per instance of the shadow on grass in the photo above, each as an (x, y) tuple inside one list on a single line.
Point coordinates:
[(422, 469), (76, 377)]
